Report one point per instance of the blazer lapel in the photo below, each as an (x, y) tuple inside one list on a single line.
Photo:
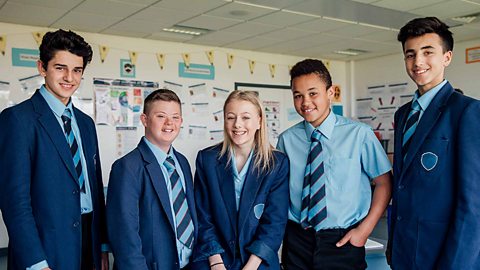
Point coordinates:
[(157, 179), (50, 124), (399, 132), (225, 177), (253, 182), (428, 120)]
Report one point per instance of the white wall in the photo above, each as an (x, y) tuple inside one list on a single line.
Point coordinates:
[(391, 69)]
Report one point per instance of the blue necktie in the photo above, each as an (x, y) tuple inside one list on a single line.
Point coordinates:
[(183, 218), (314, 206), (410, 126), (72, 142)]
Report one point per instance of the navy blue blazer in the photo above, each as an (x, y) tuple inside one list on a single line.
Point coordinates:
[(258, 226), (436, 194), (139, 217), (39, 195)]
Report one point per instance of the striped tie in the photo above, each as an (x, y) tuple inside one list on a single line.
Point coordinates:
[(410, 126), (183, 219), (72, 142), (314, 206)]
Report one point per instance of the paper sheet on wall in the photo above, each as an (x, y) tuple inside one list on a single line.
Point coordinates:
[(126, 140), (272, 115)]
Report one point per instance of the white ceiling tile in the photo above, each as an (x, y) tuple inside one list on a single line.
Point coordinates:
[(137, 26), (252, 43), (463, 33), (405, 5), (191, 5), (283, 19), (320, 25), (239, 11), (448, 9), (353, 30), (251, 28), (163, 16), (57, 4), (287, 34), (168, 36), (109, 7), (29, 15), (86, 22), (209, 22), (381, 35), (365, 1), (125, 33)]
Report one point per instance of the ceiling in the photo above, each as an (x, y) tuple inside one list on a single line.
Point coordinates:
[(307, 28)]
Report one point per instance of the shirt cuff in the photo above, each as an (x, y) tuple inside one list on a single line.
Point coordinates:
[(38, 266), (106, 248)]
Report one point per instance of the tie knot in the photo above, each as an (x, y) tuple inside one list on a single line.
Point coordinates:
[(67, 114), (169, 163), (316, 135), (416, 106)]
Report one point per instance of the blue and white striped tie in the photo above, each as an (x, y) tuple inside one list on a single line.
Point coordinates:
[(410, 126), (183, 219), (314, 206), (72, 142)]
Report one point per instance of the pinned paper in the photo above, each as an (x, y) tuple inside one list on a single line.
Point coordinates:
[(186, 59), (133, 57), (210, 56), (3, 44), (161, 59), (38, 37), (103, 52), (230, 60), (251, 64), (272, 70)]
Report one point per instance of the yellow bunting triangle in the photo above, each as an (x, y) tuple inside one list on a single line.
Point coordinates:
[(251, 64), (230, 60), (133, 57), (327, 64), (3, 44), (161, 59), (38, 37), (210, 57), (103, 52), (272, 70), (186, 59)]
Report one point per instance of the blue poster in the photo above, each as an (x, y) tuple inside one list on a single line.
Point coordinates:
[(196, 71), (25, 57)]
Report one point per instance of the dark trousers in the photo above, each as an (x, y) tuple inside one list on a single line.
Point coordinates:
[(310, 250), (87, 245)]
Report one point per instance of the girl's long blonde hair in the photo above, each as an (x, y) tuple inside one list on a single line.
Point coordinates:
[(262, 148)]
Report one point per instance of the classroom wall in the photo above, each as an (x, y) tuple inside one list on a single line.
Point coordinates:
[(391, 69)]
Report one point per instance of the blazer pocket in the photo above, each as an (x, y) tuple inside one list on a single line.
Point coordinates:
[(432, 157)]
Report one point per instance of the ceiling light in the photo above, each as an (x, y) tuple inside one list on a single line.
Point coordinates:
[(351, 52), (186, 30)]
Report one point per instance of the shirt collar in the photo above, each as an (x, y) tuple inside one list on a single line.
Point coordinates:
[(427, 98), (55, 105), (245, 167), (326, 128), (157, 152)]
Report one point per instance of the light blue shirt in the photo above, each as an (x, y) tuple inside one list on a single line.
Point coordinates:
[(427, 98), (58, 108), (239, 177), (353, 157), (183, 251)]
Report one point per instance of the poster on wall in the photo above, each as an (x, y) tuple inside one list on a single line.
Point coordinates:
[(126, 140), (4, 95), (120, 102), (272, 115)]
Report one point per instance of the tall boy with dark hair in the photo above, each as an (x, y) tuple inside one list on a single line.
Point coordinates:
[(333, 161), (151, 214), (51, 192), (436, 202)]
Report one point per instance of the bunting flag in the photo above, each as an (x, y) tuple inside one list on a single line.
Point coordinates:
[(251, 64), (161, 60), (103, 52), (186, 59), (289, 68), (327, 64), (38, 37), (133, 57), (230, 60), (210, 57), (3, 44), (272, 70)]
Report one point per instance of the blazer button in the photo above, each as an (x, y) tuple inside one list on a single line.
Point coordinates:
[(76, 224), (401, 187), (232, 243), (75, 192), (399, 218)]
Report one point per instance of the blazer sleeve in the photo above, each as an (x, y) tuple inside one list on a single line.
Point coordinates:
[(270, 231), (124, 191), (15, 181), (462, 245), (208, 243)]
